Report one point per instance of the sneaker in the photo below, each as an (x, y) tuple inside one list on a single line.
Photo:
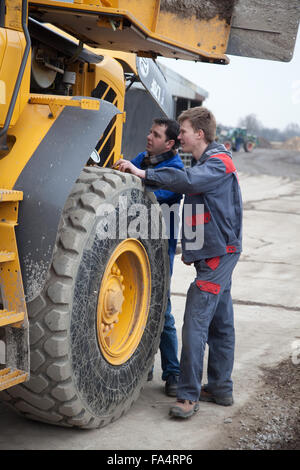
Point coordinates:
[(171, 385), (184, 409), (223, 400)]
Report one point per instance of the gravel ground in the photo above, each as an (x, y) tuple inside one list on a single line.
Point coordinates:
[(271, 421), (275, 162)]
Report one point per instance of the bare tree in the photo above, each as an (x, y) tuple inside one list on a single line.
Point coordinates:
[(252, 124), (292, 130)]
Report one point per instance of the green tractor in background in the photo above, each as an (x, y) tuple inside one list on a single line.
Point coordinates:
[(234, 138)]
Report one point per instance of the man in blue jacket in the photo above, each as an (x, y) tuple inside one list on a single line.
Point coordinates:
[(161, 151), (212, 241)]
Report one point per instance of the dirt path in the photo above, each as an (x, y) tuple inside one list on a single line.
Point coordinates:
[(271, 420), (284, 163)]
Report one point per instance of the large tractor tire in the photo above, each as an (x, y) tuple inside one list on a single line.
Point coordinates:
[(96, 327), (227, 144), (249, 146)]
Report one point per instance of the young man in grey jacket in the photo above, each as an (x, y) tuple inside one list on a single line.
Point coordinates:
[(212, 241)]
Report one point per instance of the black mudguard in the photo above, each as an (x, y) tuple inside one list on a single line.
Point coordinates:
[(46, 182)]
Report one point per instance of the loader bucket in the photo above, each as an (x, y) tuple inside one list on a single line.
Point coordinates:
[(264, 30), (197, 30)]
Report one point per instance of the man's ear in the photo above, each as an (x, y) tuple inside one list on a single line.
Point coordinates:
[(201, 134), (169, 144)]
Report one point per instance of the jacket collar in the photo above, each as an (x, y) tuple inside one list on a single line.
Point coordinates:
[(212, 149), (149, 161)]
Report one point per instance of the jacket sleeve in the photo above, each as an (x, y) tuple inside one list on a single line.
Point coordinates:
[(137, 161), (197, 179)]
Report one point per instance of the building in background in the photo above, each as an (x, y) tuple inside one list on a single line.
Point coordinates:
[(186, 94)]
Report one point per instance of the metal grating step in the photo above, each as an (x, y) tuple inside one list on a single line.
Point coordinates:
[(7, 256), (10, 377), (10, 195), (10, 318)]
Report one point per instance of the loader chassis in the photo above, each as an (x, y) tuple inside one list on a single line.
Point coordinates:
[(81, 313), (94, 303)]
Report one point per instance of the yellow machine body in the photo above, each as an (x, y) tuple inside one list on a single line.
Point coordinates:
[(145, 28), (12, 45)]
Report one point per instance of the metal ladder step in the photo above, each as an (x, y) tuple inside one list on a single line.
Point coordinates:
[(8, 318), (7, 256), (10, 195), (10, 377), (14, 325)]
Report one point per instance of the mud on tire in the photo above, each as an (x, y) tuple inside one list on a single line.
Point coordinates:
[(72, 384)]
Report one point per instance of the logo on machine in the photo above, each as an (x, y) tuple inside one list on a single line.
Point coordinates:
[(144, 66), (155, 83), (157, 92)]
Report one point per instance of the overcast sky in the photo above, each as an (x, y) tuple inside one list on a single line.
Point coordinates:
[(268, 89)]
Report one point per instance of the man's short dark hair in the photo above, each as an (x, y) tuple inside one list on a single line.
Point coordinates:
[(172, 129)]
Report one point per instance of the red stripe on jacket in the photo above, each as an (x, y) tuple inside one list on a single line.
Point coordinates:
[(229, 165)]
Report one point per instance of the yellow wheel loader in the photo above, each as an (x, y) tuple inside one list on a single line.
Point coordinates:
[(82, 290)]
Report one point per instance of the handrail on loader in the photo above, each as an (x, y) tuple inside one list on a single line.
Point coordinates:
[(3, 131)]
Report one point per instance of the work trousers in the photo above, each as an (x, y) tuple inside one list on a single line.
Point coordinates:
[(168, 340), (208, 318)]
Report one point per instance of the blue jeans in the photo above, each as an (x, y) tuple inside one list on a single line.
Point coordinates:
[(208, 318), (168, 341)]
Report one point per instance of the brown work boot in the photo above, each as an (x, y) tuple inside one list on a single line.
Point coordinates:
[(184, 409), (223, 400)]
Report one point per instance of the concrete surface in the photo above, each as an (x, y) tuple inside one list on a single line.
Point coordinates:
[(266, 297)]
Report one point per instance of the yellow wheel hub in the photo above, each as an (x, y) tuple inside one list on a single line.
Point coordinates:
[(123, 302)]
